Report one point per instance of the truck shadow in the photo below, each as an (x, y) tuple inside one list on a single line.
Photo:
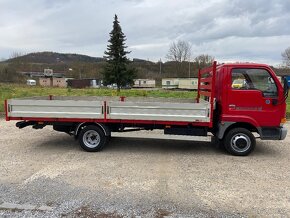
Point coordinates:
[(62, 143), (123, 145), (149, 145)]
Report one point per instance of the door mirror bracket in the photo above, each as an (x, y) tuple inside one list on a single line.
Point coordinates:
[(274, 102)]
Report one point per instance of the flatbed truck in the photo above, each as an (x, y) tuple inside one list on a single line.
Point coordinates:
[(231, 114)]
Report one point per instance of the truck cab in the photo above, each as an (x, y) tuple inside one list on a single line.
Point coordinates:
[(249, 97)]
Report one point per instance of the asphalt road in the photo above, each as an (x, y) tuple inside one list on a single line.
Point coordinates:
[(45, 173)]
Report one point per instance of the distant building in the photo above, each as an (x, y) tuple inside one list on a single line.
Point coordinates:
[(188, 83), (40, 74), (45, 81), (59, 82), (48, 72), (96, 83), (44, 73), (79, 83), (170, 83), (144, 83)]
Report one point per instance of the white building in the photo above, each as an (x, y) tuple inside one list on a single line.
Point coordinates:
[(144, 83), (188, 83), (170, 83)]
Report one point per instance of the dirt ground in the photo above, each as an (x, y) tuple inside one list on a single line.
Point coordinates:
[(142, 174)]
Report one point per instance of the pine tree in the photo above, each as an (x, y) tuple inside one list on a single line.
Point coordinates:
[(117, 68)]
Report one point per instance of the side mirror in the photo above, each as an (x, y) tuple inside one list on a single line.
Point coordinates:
[(270, 80), (286, 87)]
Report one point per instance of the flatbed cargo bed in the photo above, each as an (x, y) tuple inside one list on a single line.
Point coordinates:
[(109, 108)]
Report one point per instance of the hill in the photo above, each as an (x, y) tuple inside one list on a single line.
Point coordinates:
[(83, 66), (54, 58)]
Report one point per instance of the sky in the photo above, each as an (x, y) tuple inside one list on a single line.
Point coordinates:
[(229, 30)]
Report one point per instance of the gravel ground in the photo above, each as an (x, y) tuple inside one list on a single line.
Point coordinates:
[(153, 176)]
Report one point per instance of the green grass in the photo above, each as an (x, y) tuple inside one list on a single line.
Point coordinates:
[(8, 91)]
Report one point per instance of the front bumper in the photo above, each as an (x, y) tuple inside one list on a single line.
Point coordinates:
[(274, 133), (283, 133)]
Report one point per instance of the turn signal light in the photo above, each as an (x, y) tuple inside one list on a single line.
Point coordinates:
[(283, 121)]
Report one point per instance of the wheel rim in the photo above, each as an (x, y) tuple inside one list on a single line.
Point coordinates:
[(91, 139), (241, 142)]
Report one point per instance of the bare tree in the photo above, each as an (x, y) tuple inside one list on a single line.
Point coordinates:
[(286, 57), (203, 60), (16, 54), (179, 52)]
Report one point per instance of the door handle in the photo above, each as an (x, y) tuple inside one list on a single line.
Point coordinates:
[(232, 106)]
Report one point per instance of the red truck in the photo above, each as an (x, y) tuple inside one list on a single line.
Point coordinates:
[(233, 102)]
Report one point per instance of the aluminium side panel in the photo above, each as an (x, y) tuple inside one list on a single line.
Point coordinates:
[(55, 109), (188, 112)]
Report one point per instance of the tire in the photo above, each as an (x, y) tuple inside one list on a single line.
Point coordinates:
[(92, 138), (239, 142)]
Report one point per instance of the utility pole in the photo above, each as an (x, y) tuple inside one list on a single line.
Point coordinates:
[(189, 68), (160, 66)]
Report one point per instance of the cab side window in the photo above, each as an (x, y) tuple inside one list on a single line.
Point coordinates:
[(254, 79)]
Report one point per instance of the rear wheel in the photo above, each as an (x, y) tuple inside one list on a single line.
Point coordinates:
[(92, 138), (239, 142)]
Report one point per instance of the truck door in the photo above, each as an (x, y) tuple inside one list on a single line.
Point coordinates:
[(253, 95)]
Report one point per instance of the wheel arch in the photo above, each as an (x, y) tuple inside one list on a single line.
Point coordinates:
[(80, 126), (225, 127)]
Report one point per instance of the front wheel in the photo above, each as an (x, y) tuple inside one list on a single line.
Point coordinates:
[(239, 142), (92, 138)]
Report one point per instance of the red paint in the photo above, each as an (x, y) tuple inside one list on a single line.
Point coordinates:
[(122, 98), (208, 87), (75, 120), (205, 80), (212, 97), (198, 86), (204, 93), (6, 110)]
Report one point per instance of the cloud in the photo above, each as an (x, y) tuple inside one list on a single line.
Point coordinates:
[(227, 29)]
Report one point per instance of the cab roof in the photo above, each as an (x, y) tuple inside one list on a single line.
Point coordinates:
[(244, 64)]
